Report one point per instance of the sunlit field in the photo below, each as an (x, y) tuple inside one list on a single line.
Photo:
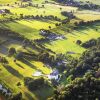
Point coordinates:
[(85, 34), (29, 28), (40, 50)]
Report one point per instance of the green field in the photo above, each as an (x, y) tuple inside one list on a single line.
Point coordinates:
[(30, 28), (85, 34)]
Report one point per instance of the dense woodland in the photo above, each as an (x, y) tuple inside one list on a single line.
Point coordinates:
[(85, 74)]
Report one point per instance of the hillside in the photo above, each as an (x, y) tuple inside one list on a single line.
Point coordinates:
[(43, 48)]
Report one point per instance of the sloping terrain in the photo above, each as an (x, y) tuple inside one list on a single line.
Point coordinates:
[(41, 44)]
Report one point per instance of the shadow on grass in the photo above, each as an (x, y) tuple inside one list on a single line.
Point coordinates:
[(13, 71), (22, 27), (3, 49), (20, 65), (25, 61)]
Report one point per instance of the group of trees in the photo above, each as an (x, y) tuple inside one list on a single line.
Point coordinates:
[(87, 88), (68, 14), (3, 60), (89, 44), (82, 23), (85, 73), (80, 4), (35, 84), (37, 17), (12, 51)]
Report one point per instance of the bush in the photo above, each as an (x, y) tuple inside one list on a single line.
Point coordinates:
[(35, 84), (78, 42), (12, 51), (96, 60)]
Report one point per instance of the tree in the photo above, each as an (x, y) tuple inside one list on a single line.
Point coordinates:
[(42, 6), (49, 27), (12, 51), (78, 42), (21, 16)]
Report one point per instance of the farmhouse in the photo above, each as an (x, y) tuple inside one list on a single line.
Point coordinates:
[(50, 35), (54, 75)]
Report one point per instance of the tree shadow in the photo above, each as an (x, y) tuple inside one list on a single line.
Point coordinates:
[(3, 50), (25, 61), (21, 27), (13, 71), (20, 65)]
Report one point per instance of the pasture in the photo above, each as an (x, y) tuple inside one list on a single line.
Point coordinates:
[(84, 33), (29, 28)]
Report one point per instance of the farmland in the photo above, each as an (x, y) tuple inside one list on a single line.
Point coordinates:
[(21, 30)]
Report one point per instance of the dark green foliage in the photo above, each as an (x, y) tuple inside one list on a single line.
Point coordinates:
[(85, 5), (90, 43), (85, 84), (17, 96), (12, 51), (68, 14), (87, 88), (3, 60), (35, 84), (78, 42)]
